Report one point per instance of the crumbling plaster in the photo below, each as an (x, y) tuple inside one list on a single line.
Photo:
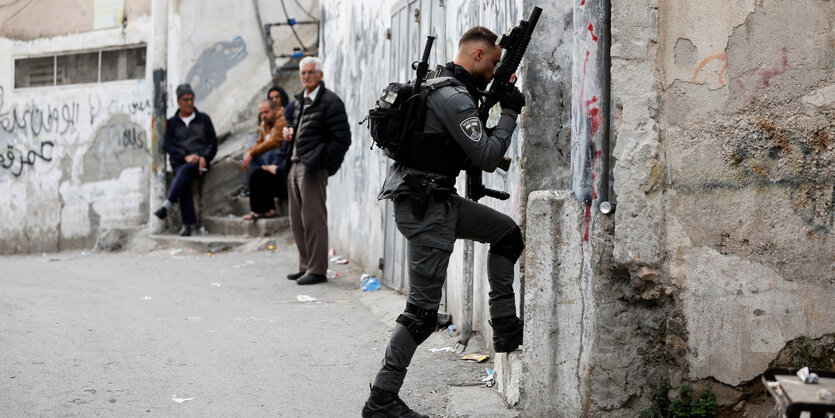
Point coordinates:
[(724, 171), (74, 157)]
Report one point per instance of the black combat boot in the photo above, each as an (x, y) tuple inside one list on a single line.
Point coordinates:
[(507, 333), (385, 404)]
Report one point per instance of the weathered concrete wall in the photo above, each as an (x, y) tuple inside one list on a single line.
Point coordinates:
[(724, 177), (719, 253), (749, 189), (27, 20), (76, 158)]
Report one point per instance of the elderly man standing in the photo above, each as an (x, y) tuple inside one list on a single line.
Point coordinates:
[(191, 143), (320, 136)]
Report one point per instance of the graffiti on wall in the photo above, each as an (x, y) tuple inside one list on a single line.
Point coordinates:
[(31, 131), (119, 143), (209, 71), (13, 159), (33, 119)]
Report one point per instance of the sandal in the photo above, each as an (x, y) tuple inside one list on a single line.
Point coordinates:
[(270, 214), (251, 216)]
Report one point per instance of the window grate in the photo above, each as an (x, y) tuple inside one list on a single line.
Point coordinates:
[(81, 68)]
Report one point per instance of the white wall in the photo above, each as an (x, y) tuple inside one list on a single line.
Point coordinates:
[(85, 149)]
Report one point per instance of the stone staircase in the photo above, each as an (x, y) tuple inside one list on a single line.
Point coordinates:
[(219, 214)]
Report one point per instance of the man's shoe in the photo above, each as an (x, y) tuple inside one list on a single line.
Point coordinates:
[(186, 231), (161, 213), (312, 279), (295, 276), (507, 333), (385, 404)]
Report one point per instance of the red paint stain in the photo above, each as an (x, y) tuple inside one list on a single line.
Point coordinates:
[(595, 120), (594, 115), (591, 30), (766, 75), (587, 221)]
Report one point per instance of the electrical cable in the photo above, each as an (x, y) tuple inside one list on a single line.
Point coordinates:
[(303, 9), (17, 1), (292, 26), (17, 12)]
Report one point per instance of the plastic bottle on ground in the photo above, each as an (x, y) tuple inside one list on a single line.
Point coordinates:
[(332, 274), (369, 283)]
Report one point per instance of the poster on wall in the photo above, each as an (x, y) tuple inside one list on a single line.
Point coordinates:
[(108, 13)]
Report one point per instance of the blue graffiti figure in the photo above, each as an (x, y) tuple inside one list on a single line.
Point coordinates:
[(209, 71)]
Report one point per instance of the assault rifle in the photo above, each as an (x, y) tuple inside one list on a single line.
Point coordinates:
[(515, 43)]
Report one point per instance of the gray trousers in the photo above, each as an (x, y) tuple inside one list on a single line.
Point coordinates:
[(430, 242), (306, 195)]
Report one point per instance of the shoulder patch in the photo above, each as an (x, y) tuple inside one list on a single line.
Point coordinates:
[(472, 128), (464, 107)]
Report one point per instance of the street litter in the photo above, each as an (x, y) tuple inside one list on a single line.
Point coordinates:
[(177, 251), (332, 274), (305, 298), (444, 320), (475, 358), (250, 262), (180, 400), (443, 349), (488, 380), (452, 331), (331, 252), (216, 284), (147, 298), (807, 377), (85, 254), (338, 260), (271, 247), (369, 283)]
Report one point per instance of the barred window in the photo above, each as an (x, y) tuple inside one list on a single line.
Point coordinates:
[(80, 68)]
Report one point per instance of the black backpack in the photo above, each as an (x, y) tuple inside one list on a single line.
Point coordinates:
[(391, 127)]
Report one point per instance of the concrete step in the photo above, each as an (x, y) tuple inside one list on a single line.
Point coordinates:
[(475, 401), (220, 225), (209, 243)]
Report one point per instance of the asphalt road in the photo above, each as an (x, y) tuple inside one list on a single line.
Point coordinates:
[(188, 334)]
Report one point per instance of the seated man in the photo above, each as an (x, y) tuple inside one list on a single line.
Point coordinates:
[(191, 144), (274, 94), (262, 160)]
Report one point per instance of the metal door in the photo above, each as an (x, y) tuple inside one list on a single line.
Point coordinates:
[(411, 22)]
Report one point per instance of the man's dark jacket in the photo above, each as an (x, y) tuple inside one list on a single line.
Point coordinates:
[(198, 138), (322, 133)]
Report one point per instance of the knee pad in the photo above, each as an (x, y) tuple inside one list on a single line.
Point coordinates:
[(511, 246), (422, 325)]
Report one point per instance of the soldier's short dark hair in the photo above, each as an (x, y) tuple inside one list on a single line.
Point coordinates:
[(480, 34)]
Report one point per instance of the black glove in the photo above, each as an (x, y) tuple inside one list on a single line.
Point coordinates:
[(511, 98)]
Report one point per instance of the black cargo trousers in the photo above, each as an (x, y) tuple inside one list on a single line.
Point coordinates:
[(430, 241)]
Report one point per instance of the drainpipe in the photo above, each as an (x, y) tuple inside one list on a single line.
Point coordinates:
[(159, 64), (607, 206), (268, 41)]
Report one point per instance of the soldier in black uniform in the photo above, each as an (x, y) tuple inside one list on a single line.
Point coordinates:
[(431, 215)]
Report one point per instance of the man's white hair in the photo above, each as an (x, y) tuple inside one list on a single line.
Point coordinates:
[(308, 60)]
